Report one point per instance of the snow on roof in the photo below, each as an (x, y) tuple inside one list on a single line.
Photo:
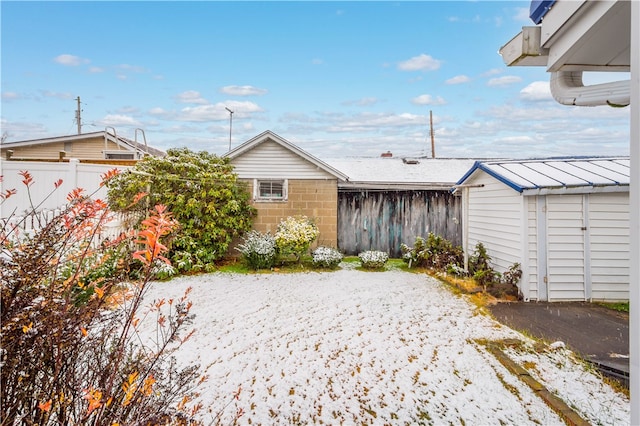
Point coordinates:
[(563, 173), (414, 172)]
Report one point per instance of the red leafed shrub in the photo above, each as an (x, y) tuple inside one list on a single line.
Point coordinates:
[(69, 351)]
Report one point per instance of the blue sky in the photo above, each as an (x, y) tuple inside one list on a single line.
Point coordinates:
[(335, 78)]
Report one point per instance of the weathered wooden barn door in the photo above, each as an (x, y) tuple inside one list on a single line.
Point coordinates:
[(382, 220)]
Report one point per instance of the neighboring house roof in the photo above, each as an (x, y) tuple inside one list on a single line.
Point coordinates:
[(272, 137), (125, 143), (553, 175), (401, 173)]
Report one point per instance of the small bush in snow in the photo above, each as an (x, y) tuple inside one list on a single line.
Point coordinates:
[(372, 259), (326, 257), (258, 250), (433, 252), (295, 235)]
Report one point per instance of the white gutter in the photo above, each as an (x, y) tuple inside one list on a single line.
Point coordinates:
[(567, 88)]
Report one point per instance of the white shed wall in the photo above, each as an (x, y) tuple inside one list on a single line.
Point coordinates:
[(530, 263), (270, 160), (566, 279), (494, 218), (610, 245), (570, 246)]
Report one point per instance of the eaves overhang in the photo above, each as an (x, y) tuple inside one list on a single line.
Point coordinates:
[(352, 186)]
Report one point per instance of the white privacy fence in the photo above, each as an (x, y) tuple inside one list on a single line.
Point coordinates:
[(19, 226), (14, 210), (73, 174)]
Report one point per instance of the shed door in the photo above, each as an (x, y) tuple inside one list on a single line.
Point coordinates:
[(566, 278)]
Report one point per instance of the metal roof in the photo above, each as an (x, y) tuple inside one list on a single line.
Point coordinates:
[(543, 175), (539, 8)]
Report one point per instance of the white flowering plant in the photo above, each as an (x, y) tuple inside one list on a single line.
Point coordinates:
[(326, 257), (373, 259), (258, 250), (294, 236)]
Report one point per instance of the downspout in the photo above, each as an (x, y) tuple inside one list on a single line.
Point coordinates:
[(567, 88)]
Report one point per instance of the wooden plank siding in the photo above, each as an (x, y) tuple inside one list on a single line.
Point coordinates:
[(383, 220)]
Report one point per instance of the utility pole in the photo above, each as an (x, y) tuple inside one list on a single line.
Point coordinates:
[(230, 124), (78, 118), (433, 143)]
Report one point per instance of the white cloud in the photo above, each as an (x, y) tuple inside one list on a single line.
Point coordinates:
[(507, 80), (367, 101), (428, 100), (317, 61), (421, 62), (10, 96), (70, 60), (243, 91), (56, 95), (116, 120), (458, 79), (96, 70), (536, 91), (190, 97), (204, 113), (493, 71), (132, 68)]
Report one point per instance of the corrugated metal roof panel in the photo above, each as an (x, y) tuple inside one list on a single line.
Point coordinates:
[(557, 172)]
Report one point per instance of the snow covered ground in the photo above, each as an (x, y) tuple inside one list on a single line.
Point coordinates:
[(353, 347)]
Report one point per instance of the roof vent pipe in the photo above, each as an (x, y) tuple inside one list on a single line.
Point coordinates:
[(567, 88)]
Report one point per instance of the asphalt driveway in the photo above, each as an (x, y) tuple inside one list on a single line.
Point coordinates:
[(598, 334)]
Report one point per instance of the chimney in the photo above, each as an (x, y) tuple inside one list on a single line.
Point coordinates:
[(387, 154)]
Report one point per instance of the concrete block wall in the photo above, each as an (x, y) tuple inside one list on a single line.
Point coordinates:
[(316, 199)]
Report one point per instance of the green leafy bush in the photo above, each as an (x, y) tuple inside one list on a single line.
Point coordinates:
[(326, 257), (295, 235), (202, 192), (434, 252), (373, 259), (258, 250), (440, 254)]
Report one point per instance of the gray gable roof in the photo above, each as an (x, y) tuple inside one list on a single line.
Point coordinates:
[(401, 173), (567, 174)]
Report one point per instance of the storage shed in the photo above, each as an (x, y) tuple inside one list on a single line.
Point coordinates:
[(565, 220), (284, 180), (391, 200)]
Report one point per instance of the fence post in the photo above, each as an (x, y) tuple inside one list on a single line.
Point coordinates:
[(73, 172)]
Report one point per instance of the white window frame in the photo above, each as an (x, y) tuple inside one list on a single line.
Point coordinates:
[(270, 198)]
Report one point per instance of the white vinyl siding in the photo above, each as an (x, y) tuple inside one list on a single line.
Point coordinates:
[(270, 160), (609, 235), (572, 246), (565, 248), (494, 219), (530, 264)]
